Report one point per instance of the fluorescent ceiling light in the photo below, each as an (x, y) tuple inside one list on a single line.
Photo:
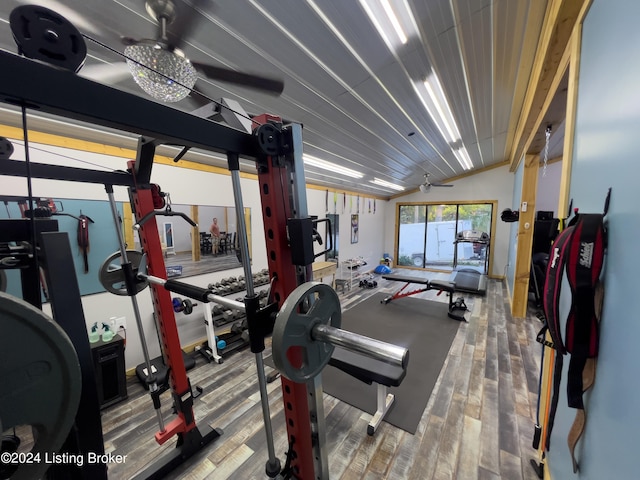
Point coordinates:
[(432, 96), (391, 15), (462, 156), (384, 183), (316, 162), (393, 19), (434, 90)]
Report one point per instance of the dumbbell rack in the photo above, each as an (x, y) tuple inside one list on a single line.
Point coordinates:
[(350, 270), (236, 338)]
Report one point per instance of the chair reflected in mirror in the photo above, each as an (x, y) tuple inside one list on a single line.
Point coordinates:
[(222, 243), (227, 243), (205, 243)]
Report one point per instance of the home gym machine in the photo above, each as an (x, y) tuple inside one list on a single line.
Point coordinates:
[(303, 316)]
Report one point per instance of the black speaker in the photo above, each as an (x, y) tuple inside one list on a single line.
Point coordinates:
[(111, 380)]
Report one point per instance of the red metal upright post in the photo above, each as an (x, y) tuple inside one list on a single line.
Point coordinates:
[(150, 241), (275, 193)]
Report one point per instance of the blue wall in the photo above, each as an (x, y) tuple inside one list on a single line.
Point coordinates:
[(513, 234), (102, 240), (606, 155)]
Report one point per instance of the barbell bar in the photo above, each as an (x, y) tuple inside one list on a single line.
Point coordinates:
[(202, 294), (309, 318)]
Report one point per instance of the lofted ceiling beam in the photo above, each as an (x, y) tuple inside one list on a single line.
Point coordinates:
[(561, 17)]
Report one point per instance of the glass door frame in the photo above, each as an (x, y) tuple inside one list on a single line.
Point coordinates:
[(399, 205)]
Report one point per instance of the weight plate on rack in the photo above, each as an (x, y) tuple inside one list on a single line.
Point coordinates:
[(45, 35), (112, 276), (310, 304)]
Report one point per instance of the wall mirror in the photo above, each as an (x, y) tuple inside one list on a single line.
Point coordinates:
[(187, 251), (192, 251)]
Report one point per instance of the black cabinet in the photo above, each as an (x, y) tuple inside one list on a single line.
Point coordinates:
[(108, 361)]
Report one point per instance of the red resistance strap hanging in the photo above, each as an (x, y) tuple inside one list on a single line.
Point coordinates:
[(577, 252)]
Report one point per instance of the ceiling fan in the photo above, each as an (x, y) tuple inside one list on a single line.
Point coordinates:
[(426, 185), (172, 76)]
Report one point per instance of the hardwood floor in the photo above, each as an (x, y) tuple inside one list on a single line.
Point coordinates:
[(478, 423)]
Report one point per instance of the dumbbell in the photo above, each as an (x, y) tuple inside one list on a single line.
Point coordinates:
[(183, 306), (220, 344), (459, 304)]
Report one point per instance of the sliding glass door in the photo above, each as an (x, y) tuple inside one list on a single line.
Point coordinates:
[(474, 254), (427, 235)]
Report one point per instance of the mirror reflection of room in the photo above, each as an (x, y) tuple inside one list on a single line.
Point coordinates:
[(193, 251)]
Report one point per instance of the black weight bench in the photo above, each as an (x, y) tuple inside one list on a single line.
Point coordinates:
[(457, 307), (370, 371), (367, 370)]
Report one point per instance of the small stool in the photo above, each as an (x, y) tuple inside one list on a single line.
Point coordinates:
[(341, 284)]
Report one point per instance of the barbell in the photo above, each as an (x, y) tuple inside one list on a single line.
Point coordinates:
[(310, 319)]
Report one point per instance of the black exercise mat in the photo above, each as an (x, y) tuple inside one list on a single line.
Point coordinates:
[(421, 325)]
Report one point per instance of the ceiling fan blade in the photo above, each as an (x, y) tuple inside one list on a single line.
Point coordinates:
[(257, 82), (441, 185), (106, 73), (186, 17), (126, 41)]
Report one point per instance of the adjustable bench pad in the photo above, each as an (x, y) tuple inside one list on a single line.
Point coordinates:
[(433, 284), (407, 279), (367, 369)]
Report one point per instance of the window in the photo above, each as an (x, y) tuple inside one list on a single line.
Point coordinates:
[(427, 232)]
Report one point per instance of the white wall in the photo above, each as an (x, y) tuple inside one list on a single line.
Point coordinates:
[(491, 185), (186, 187), (549, 188)]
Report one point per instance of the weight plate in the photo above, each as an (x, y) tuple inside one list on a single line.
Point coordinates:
[(111, 275), (45, 35), (310, 304), (40, 377), (6, 148)]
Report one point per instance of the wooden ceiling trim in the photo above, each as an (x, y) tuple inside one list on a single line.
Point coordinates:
[(560, 20)]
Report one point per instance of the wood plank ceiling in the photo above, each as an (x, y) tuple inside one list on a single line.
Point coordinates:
[(356, 95)]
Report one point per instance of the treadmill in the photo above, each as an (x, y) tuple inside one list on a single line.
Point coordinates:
[(469, 279)]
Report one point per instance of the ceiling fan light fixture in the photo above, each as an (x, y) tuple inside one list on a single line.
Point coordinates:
[(424, 188), (166, 75)]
